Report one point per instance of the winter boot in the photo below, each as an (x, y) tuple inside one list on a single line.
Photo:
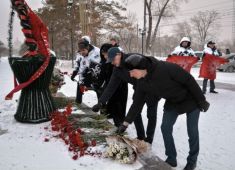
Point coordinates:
[(213, 91), (171, 162), (190, 166)]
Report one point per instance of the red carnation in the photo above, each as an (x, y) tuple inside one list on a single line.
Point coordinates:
[(93, 143), (46, 140), (75, 157)]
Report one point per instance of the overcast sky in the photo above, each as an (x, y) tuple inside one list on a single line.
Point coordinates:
[(187, 10), (4, 14)]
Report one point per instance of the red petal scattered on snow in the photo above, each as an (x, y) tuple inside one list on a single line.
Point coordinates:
[(46, 140), (69, 134), (93, 143), (75, 157)]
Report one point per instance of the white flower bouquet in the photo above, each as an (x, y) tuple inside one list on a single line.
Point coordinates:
[(120, 149)]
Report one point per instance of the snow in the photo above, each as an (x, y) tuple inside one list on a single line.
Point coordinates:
[(23, 146)]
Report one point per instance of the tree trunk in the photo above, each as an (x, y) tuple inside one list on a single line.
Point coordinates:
[(150, 25), (158, 22)]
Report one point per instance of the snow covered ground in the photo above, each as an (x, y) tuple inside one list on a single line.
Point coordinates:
[(23, 147)]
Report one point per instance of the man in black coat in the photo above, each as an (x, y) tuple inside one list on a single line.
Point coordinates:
[(182, 95), (116, 105), (120, 73)]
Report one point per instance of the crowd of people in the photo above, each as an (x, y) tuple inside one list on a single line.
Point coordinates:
[(108, 71)]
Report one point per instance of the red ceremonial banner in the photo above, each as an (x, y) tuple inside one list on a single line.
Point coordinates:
[(40, 37), (209, 65), (186, 62)]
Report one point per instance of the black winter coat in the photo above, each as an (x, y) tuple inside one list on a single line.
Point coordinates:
[(116, 104), (119, 75), (168, 81)]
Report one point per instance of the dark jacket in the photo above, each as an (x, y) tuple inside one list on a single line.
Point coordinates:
[(119, 75), (168, 81), (105, 76)]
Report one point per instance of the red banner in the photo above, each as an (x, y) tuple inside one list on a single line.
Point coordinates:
[(209, 65), (186, 62), (39, 34)]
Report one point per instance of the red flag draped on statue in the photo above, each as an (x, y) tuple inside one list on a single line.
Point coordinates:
[(209, 65), (38, 34), (186, 62)]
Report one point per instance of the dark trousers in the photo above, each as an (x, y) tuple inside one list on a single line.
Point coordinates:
[(116, 106), (79, 95), (169, 119), (87, 81), (152, 103), (212, 85)]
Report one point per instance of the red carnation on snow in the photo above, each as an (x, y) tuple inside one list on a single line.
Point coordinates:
[(71, 136)]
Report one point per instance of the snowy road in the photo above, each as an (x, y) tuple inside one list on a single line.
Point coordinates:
[(22, 147)]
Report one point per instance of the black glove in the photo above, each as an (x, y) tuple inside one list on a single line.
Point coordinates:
[(75, 72), (204, 106), (96, 107), (121, 129)]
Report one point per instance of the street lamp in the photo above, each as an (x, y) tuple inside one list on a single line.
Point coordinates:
[(142, 33)]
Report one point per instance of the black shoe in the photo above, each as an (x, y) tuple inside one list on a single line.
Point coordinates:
[(172, 163), (190, 166), (150, 141), (140, 138), (204, 92), (213, 91)]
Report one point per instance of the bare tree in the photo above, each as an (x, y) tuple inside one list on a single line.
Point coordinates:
[(150, 22), (166, 45), (162, 9), (205, 25), (127, 32), (183, 29)]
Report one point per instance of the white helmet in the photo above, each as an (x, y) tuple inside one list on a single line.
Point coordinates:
[(87, 38), (185, 39)]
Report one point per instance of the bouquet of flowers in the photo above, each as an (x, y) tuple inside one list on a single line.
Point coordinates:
[(120, 149)]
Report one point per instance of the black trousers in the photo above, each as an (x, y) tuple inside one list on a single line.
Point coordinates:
[(79, 95), (152, 103), (116, 106), (212, 85)]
